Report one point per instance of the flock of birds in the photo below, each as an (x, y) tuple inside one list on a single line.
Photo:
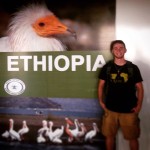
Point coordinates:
[(75, 132), (15, 135)]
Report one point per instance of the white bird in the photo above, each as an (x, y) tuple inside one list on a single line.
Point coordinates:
[(67, 129), (73, 133), (83, 130), (42, 132), (55, 136), (6, 134), (41, 139), (13, 134), (34, 28), (24, 129), (92, 133), (44, 128)]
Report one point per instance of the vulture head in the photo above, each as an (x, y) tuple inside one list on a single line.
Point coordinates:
[(34, 28)]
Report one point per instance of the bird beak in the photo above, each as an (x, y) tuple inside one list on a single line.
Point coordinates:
[(69, 121), (51, 26), (73, 33), (97, 129)]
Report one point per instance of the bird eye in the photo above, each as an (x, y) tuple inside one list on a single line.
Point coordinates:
[(41, 24), (59, 26)]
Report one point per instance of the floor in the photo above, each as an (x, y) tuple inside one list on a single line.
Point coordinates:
[(25, 146)]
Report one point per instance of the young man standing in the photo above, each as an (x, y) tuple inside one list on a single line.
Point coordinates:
[(120, 94)]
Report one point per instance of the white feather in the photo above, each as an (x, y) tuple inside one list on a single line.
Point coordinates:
[(92, 133), (55, 136), (13, 134), (5, 134), (22, 37), (41, 139), (24, 128)]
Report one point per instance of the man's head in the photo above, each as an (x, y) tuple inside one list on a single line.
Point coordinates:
[(118, 49), (116, 42)]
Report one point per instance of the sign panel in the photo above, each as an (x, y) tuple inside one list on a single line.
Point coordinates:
[(51, 74), (48, 77), (51, 86)]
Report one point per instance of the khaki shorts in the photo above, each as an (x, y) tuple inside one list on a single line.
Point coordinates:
[(128, 122)]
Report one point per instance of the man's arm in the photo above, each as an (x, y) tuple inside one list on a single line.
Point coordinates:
[(101, 92), (140, 95)]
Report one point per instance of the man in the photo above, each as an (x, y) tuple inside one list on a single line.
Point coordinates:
[(120, 93)]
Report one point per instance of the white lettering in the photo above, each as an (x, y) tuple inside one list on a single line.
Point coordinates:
[(11, 63), (37, 63), (50, 62), (88, 63), (66, 61), (98, 63), (26, 61), (77, 60)]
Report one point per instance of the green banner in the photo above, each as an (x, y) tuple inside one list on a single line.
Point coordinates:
[(69, 74)]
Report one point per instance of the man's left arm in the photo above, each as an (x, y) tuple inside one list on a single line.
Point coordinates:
[(140, 95)]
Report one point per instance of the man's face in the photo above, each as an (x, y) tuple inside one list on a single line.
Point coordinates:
[(118, 50)]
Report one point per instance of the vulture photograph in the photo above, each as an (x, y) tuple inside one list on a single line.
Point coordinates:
[(53, 25)]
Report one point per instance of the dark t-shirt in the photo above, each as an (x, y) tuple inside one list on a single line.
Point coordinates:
[(120, 86)]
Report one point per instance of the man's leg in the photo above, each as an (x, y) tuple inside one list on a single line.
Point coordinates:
[(110, 128), (134, 144), (130, 125), (110, 143)]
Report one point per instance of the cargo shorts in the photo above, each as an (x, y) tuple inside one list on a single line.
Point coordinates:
[(128, 122)]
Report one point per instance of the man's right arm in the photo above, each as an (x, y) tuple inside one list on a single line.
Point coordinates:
[(101, 93)]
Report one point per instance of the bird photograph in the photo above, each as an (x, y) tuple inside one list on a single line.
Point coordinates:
[(53, 25), (34, 28)]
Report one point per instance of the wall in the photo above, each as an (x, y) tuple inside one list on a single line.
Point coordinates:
[(133, 26)]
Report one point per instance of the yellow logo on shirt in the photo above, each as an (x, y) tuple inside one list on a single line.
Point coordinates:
[(119, 78)]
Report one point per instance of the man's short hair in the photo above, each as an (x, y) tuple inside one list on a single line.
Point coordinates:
[(116, 41)]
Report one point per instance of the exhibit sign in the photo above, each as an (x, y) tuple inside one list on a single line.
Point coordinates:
[(51, 87), (51, 74), (51, 54)]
